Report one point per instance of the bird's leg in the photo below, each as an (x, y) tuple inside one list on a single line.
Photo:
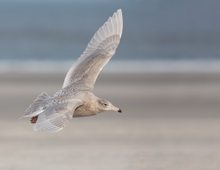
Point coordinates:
[(34, 119)]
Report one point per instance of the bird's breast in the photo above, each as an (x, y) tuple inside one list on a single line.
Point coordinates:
[(83, 110)]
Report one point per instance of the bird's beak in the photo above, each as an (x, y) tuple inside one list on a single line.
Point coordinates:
[(116, 109), (119, 111)]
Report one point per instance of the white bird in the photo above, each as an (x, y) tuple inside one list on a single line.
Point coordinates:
[(75, 98)]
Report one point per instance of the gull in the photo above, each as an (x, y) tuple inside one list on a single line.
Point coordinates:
[(76, 97)]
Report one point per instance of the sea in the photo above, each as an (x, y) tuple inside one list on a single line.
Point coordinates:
[(158, 35)]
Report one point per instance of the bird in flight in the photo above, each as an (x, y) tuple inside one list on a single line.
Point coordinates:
[(75, 98)]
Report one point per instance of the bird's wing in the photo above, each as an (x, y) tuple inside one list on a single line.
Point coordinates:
[(98, 52), (55, 117)]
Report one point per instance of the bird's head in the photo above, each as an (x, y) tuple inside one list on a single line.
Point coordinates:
[(105, 105)]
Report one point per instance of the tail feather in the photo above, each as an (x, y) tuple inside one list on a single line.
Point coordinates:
[(38, 106), (51, 114), (55, 117)]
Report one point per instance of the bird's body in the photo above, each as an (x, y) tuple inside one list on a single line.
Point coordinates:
[(75, 98), (88, 107)]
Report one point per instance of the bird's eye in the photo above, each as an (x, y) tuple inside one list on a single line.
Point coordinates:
[(103, 103)]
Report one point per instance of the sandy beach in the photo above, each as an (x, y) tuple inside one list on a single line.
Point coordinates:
[(169, 122)]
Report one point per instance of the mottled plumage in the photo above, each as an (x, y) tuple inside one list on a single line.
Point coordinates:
[(76, 99)]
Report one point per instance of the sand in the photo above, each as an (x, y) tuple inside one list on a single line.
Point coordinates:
[(169, 122)]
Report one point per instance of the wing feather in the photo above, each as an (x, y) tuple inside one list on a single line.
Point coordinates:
[(55, 117), (99, 51)]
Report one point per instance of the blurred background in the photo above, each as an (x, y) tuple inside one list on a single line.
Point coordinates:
[(165, 77)]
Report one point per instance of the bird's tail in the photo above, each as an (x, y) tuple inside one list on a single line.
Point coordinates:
[(48, 114), (38, 106)]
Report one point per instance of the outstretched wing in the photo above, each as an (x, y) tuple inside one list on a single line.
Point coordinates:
[(98, 52), (55, 117)]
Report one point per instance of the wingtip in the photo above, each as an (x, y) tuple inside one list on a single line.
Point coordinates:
[(119, 10), (119, 21)]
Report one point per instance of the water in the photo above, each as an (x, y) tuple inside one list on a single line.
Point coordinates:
[(153, 30)]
